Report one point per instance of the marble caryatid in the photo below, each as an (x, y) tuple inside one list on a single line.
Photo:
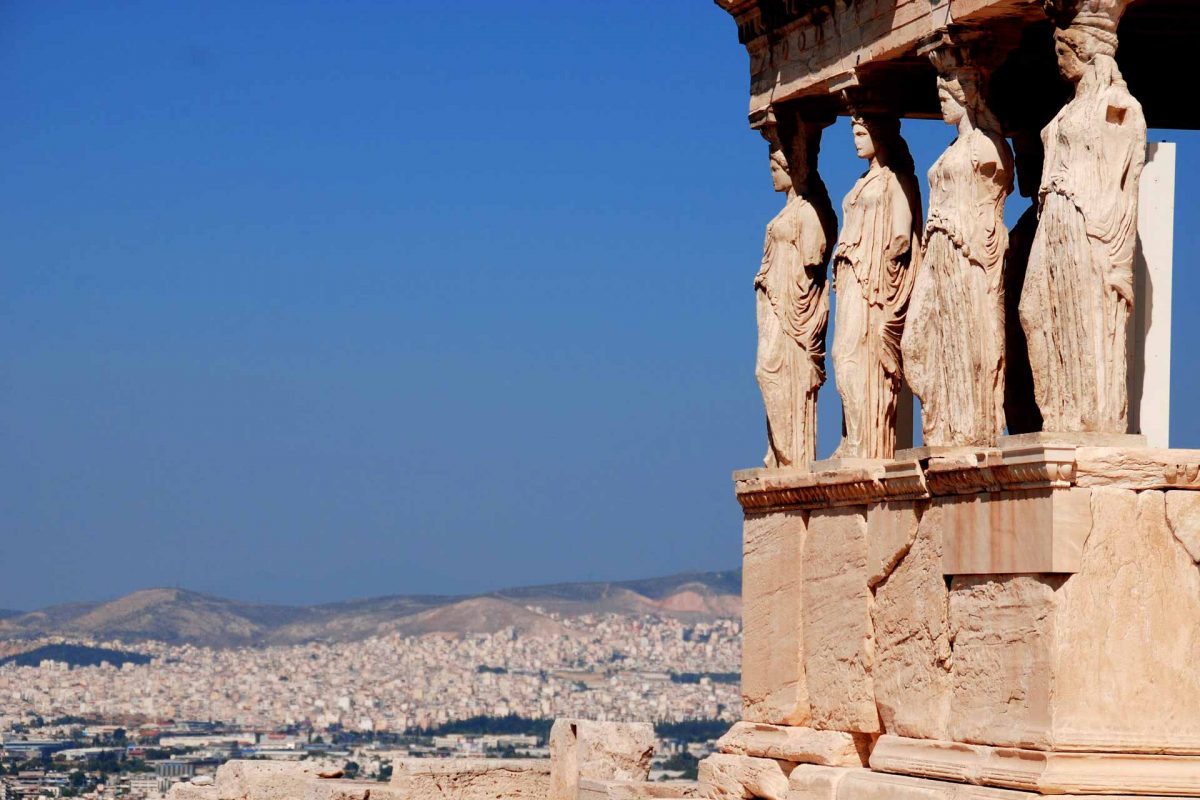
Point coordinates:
[(792, 297), (954, 340), (874, 264), (1078, 289)]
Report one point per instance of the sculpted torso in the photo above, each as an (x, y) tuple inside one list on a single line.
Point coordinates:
[(954, 342), (1078, 289), (793, 315), (874, 268)]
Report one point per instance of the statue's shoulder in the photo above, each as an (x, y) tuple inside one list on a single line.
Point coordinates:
[(1122, 107)]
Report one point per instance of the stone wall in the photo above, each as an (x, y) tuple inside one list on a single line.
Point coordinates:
[(1024, 617)]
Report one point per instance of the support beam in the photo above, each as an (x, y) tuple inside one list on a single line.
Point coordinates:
[(1150, 335)]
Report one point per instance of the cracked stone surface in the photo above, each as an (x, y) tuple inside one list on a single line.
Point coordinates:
[(1127, 638), (912, 639), (891, 530), (839, 645), (731, 777), (581, 748), (773, 684), (1183, 515)]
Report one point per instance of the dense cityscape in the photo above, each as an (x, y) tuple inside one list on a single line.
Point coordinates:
[(134, 729)]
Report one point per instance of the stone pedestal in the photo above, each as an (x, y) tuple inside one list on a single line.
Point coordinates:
[(1025, 617)]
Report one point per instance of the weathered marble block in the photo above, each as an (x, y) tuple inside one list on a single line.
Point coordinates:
[(836, 621), (581, 748), (911, 670), (1102, 660), (593, 789), (1041, 598), (773, 685), (471, 778), (1032, 531), (731, 777), (801, 745)]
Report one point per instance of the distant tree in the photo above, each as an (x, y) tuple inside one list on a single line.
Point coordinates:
[(683, 762), (692, 730), (483, 725), (351, 769)]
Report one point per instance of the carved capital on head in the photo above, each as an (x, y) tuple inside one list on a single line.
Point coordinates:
[(963, 60), (794, 131), (1097, 19)]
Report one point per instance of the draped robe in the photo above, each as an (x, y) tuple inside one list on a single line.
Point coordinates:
[(954, 341), (873, 283), (793, 315), (1078, 289)]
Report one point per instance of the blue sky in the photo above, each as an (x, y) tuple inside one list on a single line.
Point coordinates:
[(308, 301)]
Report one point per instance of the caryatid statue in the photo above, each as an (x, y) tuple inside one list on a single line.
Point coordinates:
[(1078, 289), (954, 342), (791, 292), (875, 261)]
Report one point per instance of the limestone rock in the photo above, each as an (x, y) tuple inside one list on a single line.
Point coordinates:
[(471, 778), (728, 777), (1183, 515), (335, 789), (891, 529), (773, 685), (911, 674), (1001, 627), (264, 780), (812, 782), (591, 789), (582, 748), (839, 646), (191, 791), (803, 745)]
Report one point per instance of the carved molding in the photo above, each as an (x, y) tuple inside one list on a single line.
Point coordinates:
[(979, 471)]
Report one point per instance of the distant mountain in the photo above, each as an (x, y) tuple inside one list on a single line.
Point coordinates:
[(178, 616)]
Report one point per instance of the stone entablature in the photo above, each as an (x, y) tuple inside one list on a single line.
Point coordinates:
[(969, 471), (812, 49)]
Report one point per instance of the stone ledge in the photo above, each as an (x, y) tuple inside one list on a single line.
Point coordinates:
[(471, 778), (864, 784), (1012, 467), (1039, 771), (801, 745), (593, 789)]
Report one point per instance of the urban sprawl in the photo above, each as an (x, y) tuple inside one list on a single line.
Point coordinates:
[(132, 730)]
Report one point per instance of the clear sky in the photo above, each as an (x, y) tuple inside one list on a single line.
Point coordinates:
[(305, 301)]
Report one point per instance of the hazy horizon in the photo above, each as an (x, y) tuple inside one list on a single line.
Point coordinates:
[(356, 598), (324, 301)]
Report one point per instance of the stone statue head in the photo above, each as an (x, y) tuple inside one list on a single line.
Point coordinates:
[(793, 148), (780, 176), (1086, 52), (961, 89), (877, 136)]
